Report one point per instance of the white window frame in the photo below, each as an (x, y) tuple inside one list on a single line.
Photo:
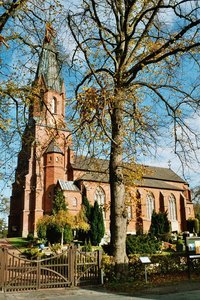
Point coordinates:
[(172, 208), (150, 202), (100, 197)]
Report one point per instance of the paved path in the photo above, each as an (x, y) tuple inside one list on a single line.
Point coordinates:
[(98, 294)]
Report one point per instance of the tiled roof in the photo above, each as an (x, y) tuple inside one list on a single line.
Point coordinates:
[(155, 183), (53, 148), (68, 186), (90, 164), (49, 67), (97, 170)]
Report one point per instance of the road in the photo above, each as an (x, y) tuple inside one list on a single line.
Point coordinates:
[(97, 294)]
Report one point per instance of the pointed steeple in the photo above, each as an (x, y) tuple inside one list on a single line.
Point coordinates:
[(48, 67)]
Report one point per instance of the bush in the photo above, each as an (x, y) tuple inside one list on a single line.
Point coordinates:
[(108, 267), (193, 225), (142, 244), (68, 235), (41, 230), (160, 225), (53, 233), (180, 245), (30, 237), (32, 253), (87, 247), (56, 248)]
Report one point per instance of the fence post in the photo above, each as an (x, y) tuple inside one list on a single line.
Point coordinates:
[(71, 265), (3, 268), (38, 262), (99, 265)]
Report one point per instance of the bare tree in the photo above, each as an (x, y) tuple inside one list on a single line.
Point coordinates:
[(137, 62)]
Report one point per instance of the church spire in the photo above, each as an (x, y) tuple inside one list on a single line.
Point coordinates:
[(48, 67)]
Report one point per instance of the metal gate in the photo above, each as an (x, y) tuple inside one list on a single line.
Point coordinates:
[(70, 268)]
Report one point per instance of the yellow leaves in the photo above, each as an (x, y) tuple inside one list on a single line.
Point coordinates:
[(92, 102), (153, 46), (65, 218), (80, 221)]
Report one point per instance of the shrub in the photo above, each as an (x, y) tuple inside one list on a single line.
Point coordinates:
[(160, 225), (193, 225), (97, 224), (196, 225), (53, 233), (87, 246), (56, 248), (142, 244), (68, 234), (41, 231), (32, 253), (30, 237), (180, 245), (108, 267), (94, 216)]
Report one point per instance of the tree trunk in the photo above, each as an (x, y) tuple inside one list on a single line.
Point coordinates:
[(118, 212)]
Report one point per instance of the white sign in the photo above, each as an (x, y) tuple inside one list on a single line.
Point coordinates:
[(145, 260)]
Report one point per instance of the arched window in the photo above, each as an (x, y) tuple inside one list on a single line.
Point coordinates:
[(150, 205), (74, 202), (172, 208), (54, 105), (99, 196)]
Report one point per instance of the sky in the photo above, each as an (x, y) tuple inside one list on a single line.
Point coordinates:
[(164, 155)]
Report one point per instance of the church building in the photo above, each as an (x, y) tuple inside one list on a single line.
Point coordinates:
[(47, 161)]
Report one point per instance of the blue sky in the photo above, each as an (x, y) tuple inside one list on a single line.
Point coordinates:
[(163, 156)]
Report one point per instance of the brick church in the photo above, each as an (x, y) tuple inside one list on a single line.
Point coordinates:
[(47, 160)]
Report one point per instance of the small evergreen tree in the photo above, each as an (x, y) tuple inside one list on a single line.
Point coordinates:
[(87, 208), (58, 202), (160, 225), (97, 224), (94, 218)]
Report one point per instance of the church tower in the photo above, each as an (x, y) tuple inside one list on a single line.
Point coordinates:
[(42, 159)]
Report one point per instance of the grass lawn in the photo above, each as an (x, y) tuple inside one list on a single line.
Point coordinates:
[(18, 242)]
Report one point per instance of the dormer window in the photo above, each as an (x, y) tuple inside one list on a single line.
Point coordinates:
[(54, 105)]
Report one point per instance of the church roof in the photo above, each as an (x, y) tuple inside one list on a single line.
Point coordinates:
[(155, 177), (49, 67), (68, 186), (53, 148)]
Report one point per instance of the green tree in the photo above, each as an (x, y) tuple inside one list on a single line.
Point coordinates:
[(87, 208), (160, 225), (97, 225), (53, 227), (134, 66), (58, 202)]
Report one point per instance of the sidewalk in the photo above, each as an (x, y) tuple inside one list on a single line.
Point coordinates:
[(191, 292)]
